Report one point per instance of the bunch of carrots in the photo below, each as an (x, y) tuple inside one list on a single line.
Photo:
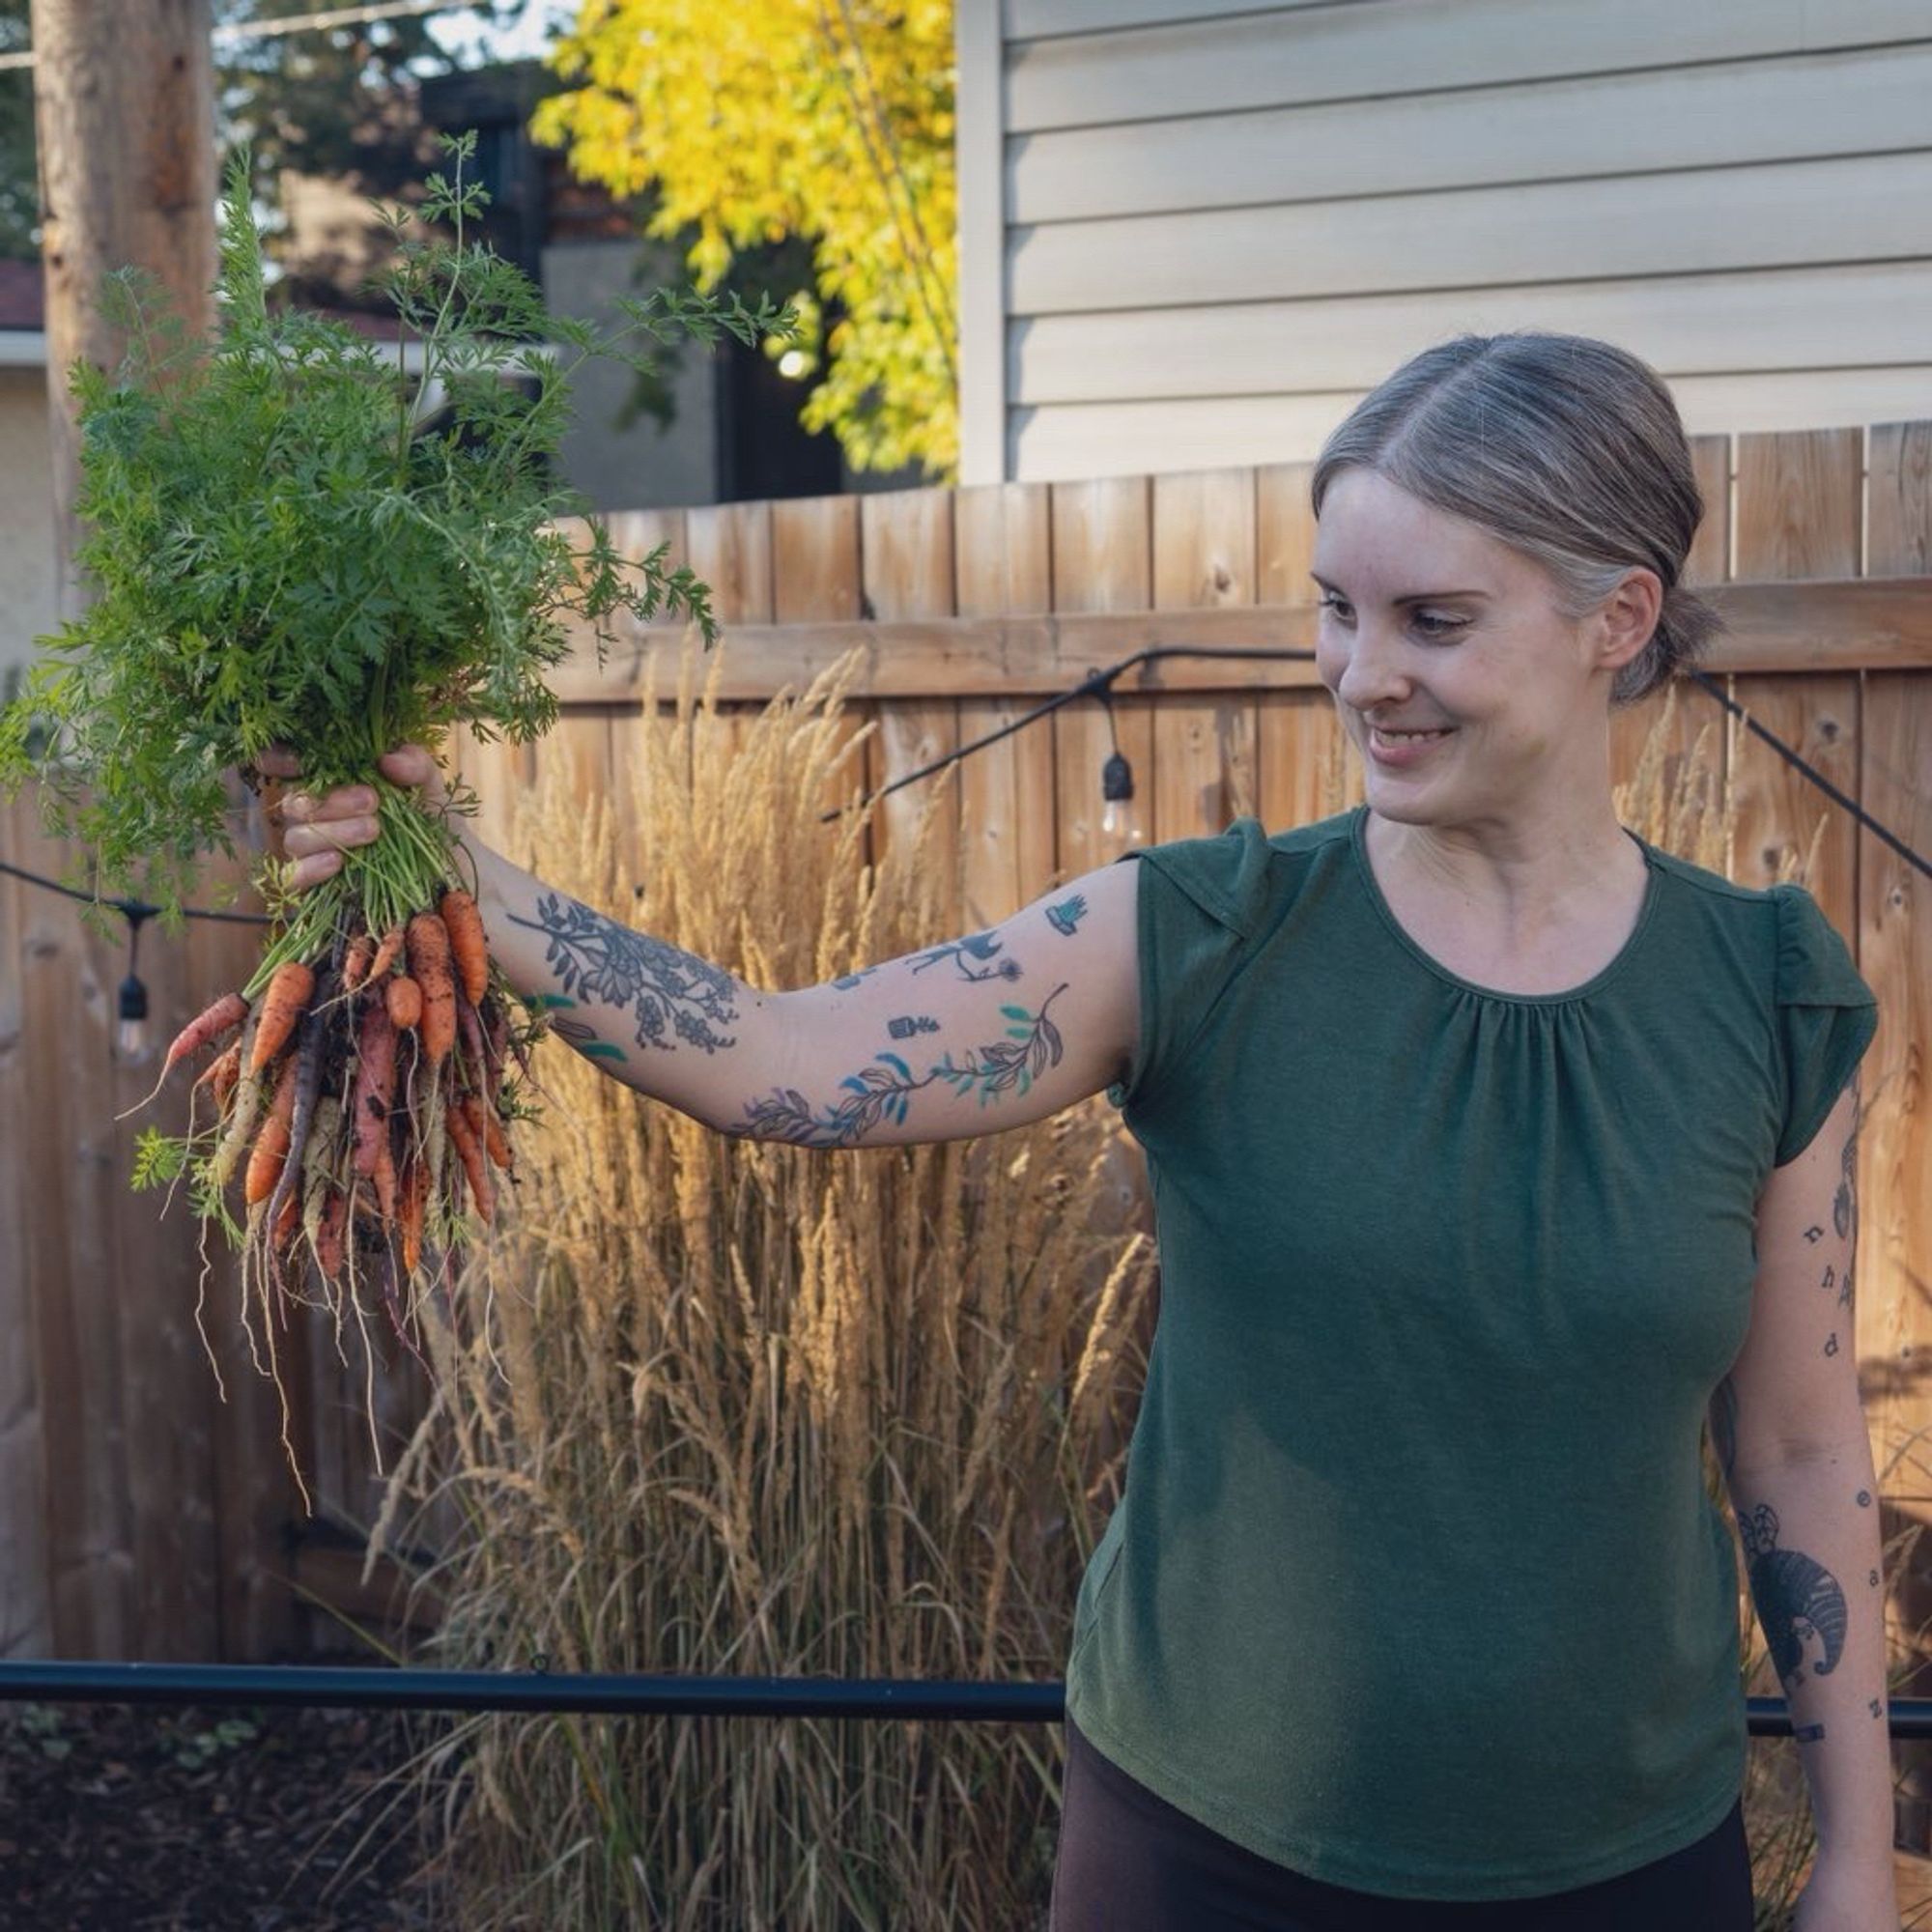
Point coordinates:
[(365, 1099)]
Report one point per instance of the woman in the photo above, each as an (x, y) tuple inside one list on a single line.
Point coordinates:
[(1491, 1149)]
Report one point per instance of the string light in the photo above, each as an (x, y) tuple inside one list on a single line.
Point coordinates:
[(1117, 818), (1117, 792), (130, 1030)]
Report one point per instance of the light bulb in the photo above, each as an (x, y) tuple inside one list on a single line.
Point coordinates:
[(130, 1029), (1119, 819)]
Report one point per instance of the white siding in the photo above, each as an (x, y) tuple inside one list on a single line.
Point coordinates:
[(28, 590), (1221, 221)]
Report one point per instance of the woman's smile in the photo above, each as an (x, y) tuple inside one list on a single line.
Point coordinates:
[(1399, 749)]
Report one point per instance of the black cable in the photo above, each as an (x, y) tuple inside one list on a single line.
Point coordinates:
[(1811, 772), (134, 910), (1099, 684)]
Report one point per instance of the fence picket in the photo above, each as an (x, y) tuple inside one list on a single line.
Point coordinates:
[(89, 1556), (1894, 938)]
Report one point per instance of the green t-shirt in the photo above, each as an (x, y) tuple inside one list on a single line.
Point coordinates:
[(1415, 1585)]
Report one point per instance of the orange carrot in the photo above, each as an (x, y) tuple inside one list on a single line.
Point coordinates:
[(330, 1236), (227, 1012), (463, 1138), (415, 1199), (405, 1002), (429, 964), (220, 1073), (356, 961), (388, 953), (289, 992), (386, 1179), (375, 1087), (468, 948), (271, 1144), (285, 1222), (487, 1128)]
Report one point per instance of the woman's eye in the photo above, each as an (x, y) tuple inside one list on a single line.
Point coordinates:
[(1436, 625), (1332, 601)]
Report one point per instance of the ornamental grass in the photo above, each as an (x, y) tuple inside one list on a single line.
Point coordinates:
[(742, 1407)]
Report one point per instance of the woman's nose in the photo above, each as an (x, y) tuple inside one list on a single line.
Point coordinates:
[(1374, 673)]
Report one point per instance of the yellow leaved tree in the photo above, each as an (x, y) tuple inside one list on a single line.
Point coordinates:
[(829, 121)]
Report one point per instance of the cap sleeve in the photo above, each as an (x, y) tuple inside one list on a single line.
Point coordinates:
[(1825, 1017), (1200, 903)]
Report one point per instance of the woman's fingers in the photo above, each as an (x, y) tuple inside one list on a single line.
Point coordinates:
[(412, 765), (317, 831)]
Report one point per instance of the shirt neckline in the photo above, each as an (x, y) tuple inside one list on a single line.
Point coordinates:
[(1358, 843)]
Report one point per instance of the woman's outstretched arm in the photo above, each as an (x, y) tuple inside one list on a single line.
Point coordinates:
[(973, 1035)]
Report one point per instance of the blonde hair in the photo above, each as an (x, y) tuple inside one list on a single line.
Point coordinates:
[(1568, 449)]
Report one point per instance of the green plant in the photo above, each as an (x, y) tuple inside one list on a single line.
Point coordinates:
[(281, 552), (41, 1722), (287, 548), (194, 1748)]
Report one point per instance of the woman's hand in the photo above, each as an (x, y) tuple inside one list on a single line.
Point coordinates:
[(319, 830), (1845, 1895)]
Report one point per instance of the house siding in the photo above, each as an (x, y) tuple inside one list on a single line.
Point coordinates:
[(1217, 225)]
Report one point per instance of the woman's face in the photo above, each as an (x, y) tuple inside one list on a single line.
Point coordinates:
[(1471, 695)]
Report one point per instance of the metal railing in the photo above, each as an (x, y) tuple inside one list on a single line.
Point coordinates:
[(543, 1691)]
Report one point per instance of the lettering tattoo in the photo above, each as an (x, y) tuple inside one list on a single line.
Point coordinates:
[(1798, 1600), (980, 947), (881, 1092), (1832, 1347), (1814, 1235), (908, 1024), (669, 991)]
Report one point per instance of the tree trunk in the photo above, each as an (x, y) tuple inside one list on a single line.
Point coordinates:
[(124, 112)]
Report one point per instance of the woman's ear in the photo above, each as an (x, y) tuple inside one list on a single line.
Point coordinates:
[(1627, 618)]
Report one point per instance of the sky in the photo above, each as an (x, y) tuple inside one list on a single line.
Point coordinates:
[(459, 33)]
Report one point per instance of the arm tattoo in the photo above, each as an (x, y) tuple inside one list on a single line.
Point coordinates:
[(980, 947), (1845, 1208), (879, 1091), (1796, 1598), (1067, 914), (595, 958)]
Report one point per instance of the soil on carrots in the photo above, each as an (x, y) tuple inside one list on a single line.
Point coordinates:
[(116, 1819)]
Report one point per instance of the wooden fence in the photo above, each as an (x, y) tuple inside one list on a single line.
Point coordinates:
[(142, 1516)]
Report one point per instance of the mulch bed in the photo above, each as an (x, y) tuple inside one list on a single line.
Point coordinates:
[(117, 1819)]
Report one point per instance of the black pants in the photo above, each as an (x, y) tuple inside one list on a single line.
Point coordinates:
[(1129, 1861)]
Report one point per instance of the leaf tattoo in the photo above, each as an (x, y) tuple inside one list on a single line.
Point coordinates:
[(880, 1092), (595, 958)]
